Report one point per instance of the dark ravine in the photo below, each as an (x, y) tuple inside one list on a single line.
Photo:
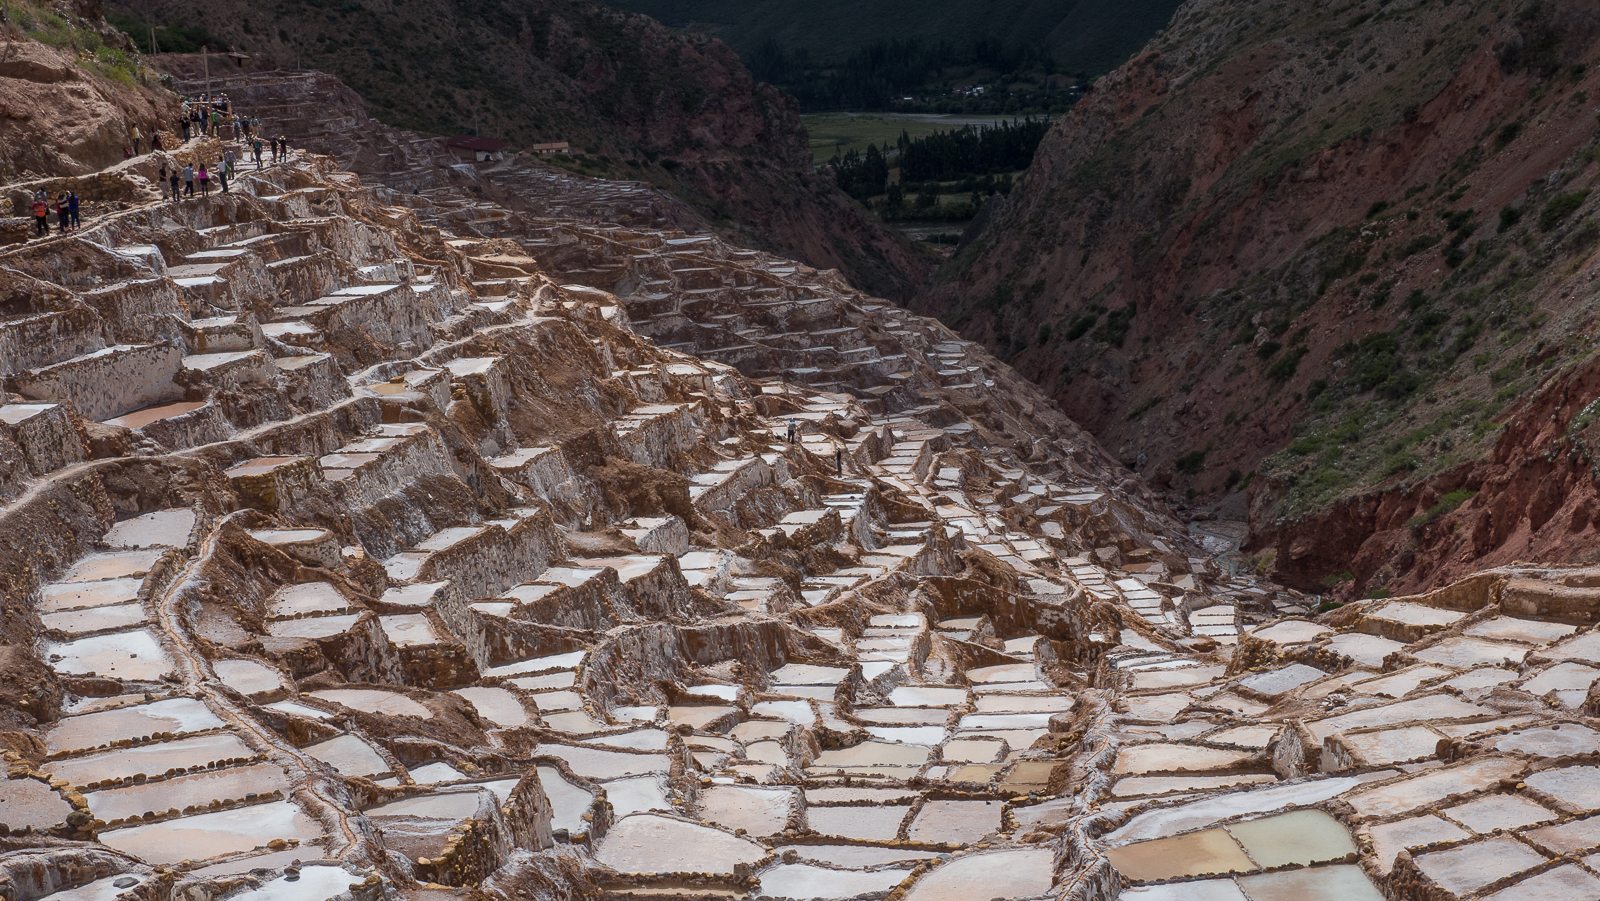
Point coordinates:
[(644, 101), (1287, 258)]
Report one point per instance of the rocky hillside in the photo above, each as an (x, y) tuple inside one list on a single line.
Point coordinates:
[(633, 97), (70, 90), (1312, 260)]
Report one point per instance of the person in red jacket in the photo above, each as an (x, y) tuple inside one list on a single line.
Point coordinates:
[(41, 216)]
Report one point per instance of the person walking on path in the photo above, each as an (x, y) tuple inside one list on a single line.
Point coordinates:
[(73, 218), (136, 138), (222, 174), (838, 461), (41, 216), (792, 427), (161, 179), (61, 214), (183, 127), (205, 182), (256, 146), (173, 178), (188, 180)]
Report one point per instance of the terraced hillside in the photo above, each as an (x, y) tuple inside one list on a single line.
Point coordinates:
[(366, 537)]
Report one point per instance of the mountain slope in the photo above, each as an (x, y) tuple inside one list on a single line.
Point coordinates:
[(1082, 35), (1292, 257), (644, 101)]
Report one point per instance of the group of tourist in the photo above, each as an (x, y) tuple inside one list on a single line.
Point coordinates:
[(202, 115), (65, 207), (207, 115)]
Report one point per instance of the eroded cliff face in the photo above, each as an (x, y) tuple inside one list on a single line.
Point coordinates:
[(677, 109), (67, 108), (1288, 257)]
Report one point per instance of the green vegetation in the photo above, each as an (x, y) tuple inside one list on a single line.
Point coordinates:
[(1560, 207), (941, 156), (836, 134), (47, 26), (168, 38), (1444, 506)]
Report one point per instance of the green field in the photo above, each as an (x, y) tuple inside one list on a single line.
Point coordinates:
[(842, 132)]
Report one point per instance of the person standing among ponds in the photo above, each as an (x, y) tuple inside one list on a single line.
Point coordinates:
[(41, 216), (205, 182), (188, 180), (173, 178), (73, 218)]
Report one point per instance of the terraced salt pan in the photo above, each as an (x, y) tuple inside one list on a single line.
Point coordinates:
[(927, 696), (350, 756), (636, 794), (209, 835), (314, 883), (313, 628), (568, 801), (497, 705), (646, 843), (249, 677), (62, 596), (804, 882), (1004, 875), (162, 528), (150, 759), (758, 811), (599, 764), (1557, 740), (1134, 786), (1472, 866), (872, 754), (371, 700), (1176, 818), (1462, 652), (113, 565), (189, 790), (1207, 852), (1175, 758), (1498, 811), (174, 715), (1574, 788), (135, 656), (1562, 883), (955, 822), (1406, 795), (879, 822), (1389, 839), (1389, 746), (1345, 882), (856, 856), (1430, 708), (94, 619), (307, 599), (28, 804)]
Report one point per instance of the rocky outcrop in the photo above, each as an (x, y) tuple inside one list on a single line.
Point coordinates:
[(69, 108)]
